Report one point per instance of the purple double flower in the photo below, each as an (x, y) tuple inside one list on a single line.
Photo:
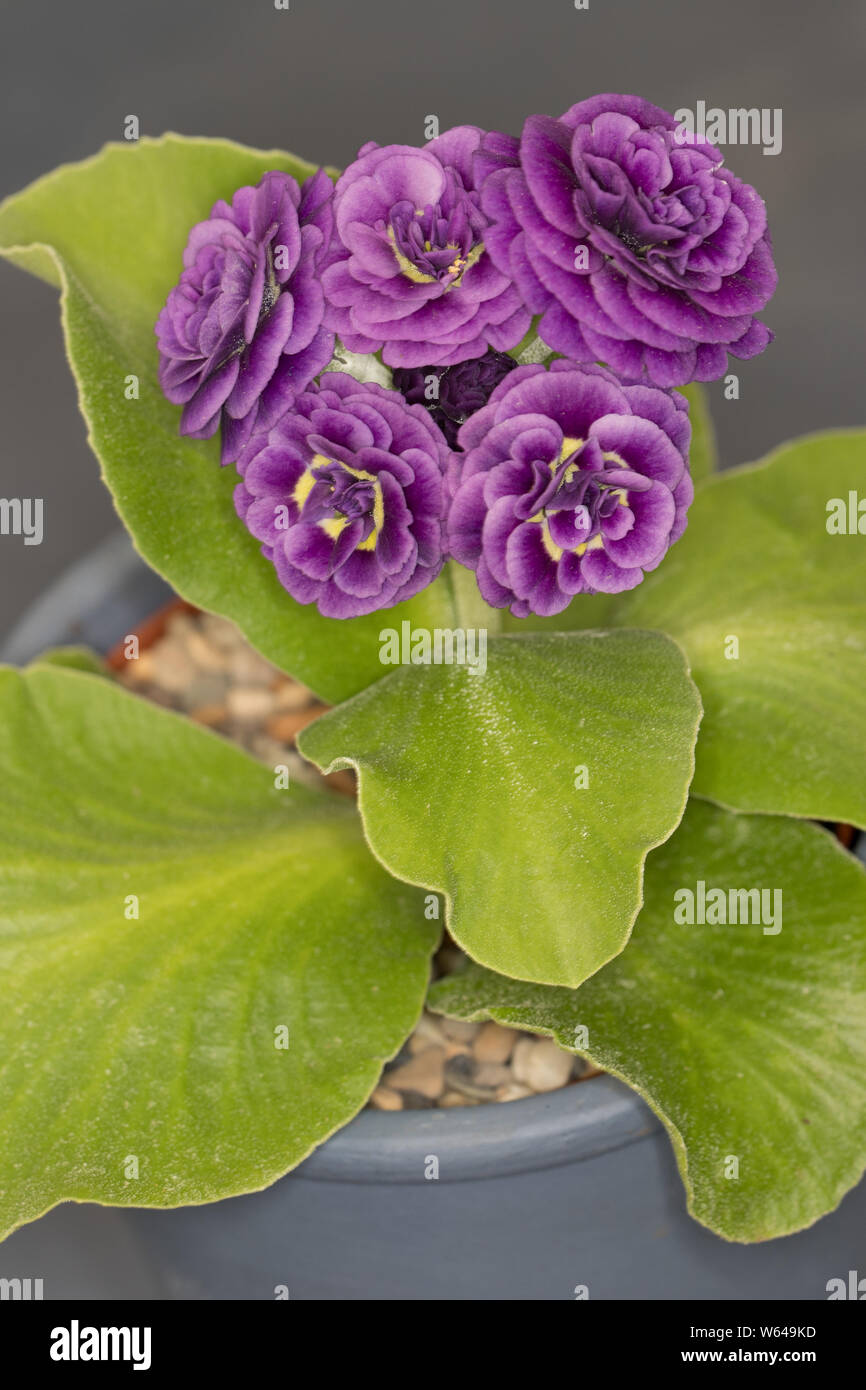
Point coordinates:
[(458, 391), (571, 482), (346, 493), (242, 331), (409, 274), (632, 241)]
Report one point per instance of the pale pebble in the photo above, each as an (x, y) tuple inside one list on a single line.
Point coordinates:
[(493, 1043), (383, 1098), (424, 1074), (540, 1064)]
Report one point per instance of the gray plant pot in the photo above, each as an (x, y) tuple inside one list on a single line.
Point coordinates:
[(533, 1200)]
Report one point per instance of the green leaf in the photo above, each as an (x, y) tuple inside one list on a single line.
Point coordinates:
[(110, 232), (785, 723), (784, 729), (153, 1041), (703, 459), (470, 786), (749, 1046)]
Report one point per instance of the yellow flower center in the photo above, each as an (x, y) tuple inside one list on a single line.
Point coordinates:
[(570, 446), (457, 268), (334, 525)]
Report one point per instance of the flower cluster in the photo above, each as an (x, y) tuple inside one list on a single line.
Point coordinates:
[(610, 236)]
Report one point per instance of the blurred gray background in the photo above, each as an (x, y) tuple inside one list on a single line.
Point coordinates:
[(326, 75)]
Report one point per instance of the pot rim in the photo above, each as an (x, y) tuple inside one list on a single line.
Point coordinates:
[(580, 1121), (90, 595)]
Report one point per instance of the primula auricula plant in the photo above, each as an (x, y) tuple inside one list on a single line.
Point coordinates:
[(455, 391)]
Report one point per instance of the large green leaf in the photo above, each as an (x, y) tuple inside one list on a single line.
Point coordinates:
[(750, 1045), (153, 1041), (110, 233), (784, 730), (470, 784), (785, 723)]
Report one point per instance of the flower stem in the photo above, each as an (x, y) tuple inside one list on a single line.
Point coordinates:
[(470, 610)]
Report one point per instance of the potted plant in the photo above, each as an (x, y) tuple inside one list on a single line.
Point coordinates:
[(597, 699)]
